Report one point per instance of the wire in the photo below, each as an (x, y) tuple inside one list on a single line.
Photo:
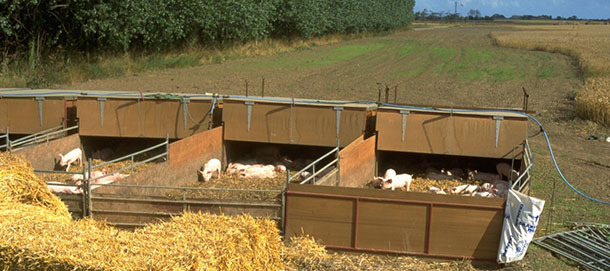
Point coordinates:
[(546, 137)]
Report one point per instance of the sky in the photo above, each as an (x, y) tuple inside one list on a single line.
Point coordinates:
[(588, 9)]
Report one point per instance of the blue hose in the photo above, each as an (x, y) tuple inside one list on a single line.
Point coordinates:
[(546, 137)]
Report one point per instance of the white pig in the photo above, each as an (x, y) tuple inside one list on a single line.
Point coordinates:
[(75, 155), (398, 181), (208, 170), (390, 173)]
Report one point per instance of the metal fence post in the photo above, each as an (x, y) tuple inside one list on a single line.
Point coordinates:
[(167, 147), (283, 210), (89, 207), (82, 187), (338, 166)]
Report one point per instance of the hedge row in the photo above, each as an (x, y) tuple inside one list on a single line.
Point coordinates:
[(120, 25)]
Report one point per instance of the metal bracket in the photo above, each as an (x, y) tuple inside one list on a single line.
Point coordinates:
[(249, 105), (338, 109), (101, 100), (40, 99), (498, 119), (185, 109), (404, 123)]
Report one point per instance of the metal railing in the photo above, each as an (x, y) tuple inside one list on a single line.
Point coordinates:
[(40, 137), (132, 156), (7, 143), (86, 186), (312, 177), (525, 177)]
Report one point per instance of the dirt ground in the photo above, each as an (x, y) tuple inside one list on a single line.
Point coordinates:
[(455, 66)]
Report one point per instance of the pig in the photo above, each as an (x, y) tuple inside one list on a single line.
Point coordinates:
[(75, 155), (483, 176), (437, 190), (107, 179), (390, 173), (500, 188), (208, 170), (484, 194), (458, 173), (77, 178), (56, 187), (258, 172), (398, 181), (440, 176), (505, 170), (467, 189)]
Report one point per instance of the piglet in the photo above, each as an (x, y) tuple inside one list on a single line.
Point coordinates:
[(505, 170), (75, 155), (208, 170), (483, 176), (398, 181)]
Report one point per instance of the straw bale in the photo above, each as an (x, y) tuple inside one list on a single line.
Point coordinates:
[(35, 236), (19, 184)]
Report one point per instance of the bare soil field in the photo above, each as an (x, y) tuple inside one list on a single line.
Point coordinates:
[(455, 66)]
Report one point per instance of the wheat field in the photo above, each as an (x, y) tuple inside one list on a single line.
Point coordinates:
[(588, 44)]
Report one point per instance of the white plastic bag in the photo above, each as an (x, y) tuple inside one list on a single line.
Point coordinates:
[(520, 221)]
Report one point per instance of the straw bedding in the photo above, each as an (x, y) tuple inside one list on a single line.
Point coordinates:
[(78, 169), (424, 184)]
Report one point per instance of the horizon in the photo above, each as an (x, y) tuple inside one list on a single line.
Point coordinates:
[(589, 9)]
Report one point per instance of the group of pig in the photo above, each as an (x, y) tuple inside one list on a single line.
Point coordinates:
[(98, 177), (496, 185), (251, 169), (245, 169)]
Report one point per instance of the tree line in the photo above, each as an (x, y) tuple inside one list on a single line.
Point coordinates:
[(123, 25)]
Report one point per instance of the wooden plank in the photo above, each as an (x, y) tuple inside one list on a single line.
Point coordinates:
[(329, 220), (404, 230), (423, 223), (22, 117), (466, 232), (43, 156), (357, 163), (299, 124), (208, 143), (464, 135)]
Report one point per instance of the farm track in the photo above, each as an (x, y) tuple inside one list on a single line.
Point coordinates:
[(457, 66)]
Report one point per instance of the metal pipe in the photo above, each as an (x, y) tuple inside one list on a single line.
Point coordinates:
[(191, 188), (89, 206), (263, 88), (82, 186), (319, 171), (190, 202), (127, 156), (323, 195), (317, 160)]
